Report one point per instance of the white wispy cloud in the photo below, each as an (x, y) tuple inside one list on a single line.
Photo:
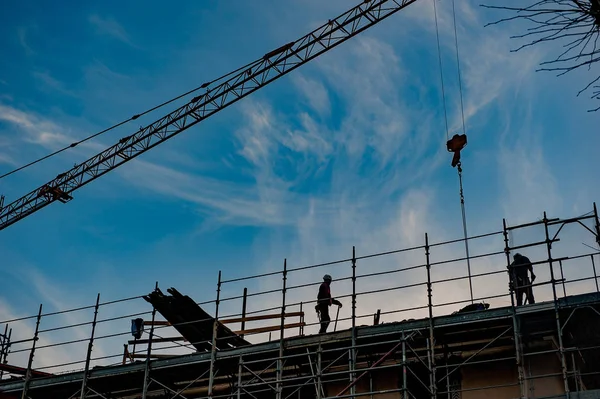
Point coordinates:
[(33, 128), (22, 35), (530, 186), (109, 26), (371, 171), (375, 118), (52, 83), (315, 92)]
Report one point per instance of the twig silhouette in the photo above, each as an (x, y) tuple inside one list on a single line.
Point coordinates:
[(576, 23)]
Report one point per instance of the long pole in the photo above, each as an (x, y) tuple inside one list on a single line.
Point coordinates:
[(516, 334), (561, 350), (281, 334), (89, 351), (31, 354), (244, 300), (404, 371), (4, 343), (595, 274), (239, 378), (598, 242), (319, 368), (5, 359), (213, 357), (597, 224), (353, 349), (149, 351), (432, 384)]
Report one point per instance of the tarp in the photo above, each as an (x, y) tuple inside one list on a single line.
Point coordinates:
[(191, 321)]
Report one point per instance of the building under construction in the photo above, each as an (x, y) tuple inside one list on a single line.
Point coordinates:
[(418, 322), (486, 346)]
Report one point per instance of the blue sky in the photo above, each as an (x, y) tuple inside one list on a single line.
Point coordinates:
[(348, 150)]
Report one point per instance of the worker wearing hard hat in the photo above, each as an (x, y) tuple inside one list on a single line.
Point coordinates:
[(324, 301), (519, 280)]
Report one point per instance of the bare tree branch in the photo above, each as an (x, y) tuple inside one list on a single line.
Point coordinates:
[(575, 23)]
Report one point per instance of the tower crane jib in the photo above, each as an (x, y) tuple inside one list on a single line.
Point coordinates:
[(219, 95)]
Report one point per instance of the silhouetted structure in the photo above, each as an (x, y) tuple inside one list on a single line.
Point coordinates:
[(486, 348), (574, 23)]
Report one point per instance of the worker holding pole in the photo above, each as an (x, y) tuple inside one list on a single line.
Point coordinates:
[(324, 301), (520, 281)]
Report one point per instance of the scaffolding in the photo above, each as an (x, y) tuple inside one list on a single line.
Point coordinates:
[(546, 349)]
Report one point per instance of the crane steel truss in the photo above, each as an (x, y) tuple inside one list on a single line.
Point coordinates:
[(219, 94)]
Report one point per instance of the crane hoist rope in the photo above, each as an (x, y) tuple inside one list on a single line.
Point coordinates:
[(218, 95), (458, 141)]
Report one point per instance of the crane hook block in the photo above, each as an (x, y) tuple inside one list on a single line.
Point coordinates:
[(455, 145)]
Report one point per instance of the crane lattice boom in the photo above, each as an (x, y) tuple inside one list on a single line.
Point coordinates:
[(219, 94)]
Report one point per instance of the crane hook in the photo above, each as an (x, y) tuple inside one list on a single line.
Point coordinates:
[(455, 145)]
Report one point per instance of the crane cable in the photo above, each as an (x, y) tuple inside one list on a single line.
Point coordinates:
[(459, 165), (134, 117), (437, 34)]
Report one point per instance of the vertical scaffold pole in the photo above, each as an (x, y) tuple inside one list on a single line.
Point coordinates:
[(319, 368), (404, 371), (597, 224), (213, 352), (430, 364), (595, 274), (149, 351), (86, 370), (562, 277), (239, 381), (432, 384), (353, 350), (281, 334), (31, 354), (4, 345), (598, 242), (515, 321), (371, 383), (5, 359), (561, 350), (301, 328), (244, 300)]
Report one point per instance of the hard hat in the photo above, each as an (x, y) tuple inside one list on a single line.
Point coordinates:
[(327, 277), (517, 255)]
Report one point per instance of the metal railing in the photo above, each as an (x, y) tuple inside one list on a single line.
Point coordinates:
[(417, 283)]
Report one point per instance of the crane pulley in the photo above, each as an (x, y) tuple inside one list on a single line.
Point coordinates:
[(455, 145), (219, 95)]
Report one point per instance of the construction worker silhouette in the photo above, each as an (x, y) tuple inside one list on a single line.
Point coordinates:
[(324, 301), (519, 280)]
